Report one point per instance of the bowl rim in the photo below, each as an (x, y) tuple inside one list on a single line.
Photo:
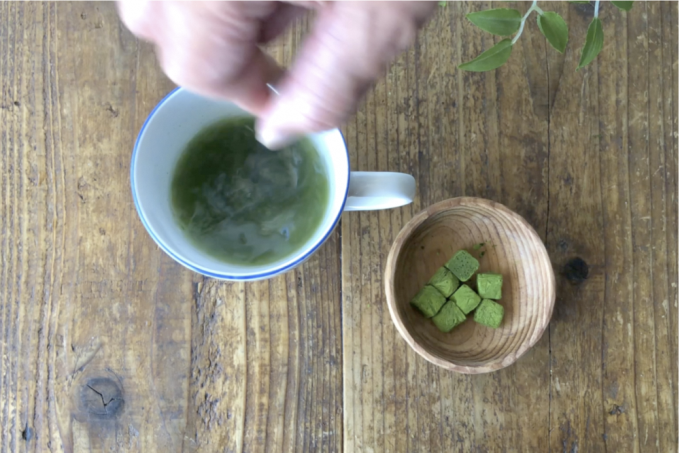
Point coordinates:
[(391, 266)]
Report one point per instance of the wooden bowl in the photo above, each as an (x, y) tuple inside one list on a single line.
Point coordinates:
[(512, 248)]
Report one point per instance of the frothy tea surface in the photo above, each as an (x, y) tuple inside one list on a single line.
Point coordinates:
[(243, 203)]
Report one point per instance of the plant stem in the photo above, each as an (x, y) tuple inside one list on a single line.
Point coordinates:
[(597, 7), (534, 7)]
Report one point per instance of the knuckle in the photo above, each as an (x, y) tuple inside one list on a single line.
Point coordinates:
[(195, 69)]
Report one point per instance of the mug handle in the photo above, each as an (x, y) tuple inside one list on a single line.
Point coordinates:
[(373, 190)]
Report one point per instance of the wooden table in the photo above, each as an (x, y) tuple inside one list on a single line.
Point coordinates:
[(107, 345)]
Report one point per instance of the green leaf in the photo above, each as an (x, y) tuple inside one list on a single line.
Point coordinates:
[(554, 28), (501, 21), (490, 59), (623, 6), (593, 44), (443, 4)]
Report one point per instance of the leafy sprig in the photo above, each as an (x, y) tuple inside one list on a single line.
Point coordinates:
[(507, 22)]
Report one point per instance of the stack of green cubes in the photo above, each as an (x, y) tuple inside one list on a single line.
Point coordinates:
[(448, 302)]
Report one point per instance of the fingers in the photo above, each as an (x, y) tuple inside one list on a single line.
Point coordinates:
[(212, 48), (209, 47), (349, 47)]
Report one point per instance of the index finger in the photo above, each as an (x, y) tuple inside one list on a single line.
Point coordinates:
[(349, 47)]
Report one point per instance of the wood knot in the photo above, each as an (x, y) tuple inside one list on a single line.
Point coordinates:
[(584, 9), (576, 270), (102, 398), (109, 107), (617, 410), (27, 433)]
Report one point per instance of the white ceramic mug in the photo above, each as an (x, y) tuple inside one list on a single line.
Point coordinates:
[(165, 134)]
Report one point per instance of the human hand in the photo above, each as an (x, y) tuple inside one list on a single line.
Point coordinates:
[(212, 48)]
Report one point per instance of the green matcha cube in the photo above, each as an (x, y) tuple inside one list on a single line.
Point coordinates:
[(463, 265), (448, 317), (489, 286), (429, 301), (489, 314), (466, 299), (444, 281)]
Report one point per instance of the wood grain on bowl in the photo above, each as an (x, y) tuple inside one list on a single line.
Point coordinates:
[(511, 248)]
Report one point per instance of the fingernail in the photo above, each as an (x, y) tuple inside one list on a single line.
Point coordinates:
[(274, 139)]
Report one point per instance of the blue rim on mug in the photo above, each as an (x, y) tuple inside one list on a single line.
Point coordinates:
[(166, 249)]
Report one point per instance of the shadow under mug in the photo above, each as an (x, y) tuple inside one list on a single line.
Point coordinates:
[(164, 136)]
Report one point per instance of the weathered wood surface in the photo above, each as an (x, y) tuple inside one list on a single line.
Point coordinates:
[(107, 345), (89, 303)]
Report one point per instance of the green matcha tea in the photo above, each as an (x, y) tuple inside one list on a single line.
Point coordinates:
[(242, 203)]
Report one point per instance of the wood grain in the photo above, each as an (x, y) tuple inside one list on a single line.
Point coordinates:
[(575, 153), (107, 345)]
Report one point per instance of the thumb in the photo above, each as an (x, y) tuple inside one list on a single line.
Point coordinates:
[(349, 47)]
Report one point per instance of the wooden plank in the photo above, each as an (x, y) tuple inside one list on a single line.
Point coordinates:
[(641, 226), (648, 218), (94, 308), (107, 344), (608, 183), (458, 134), (670, 124), (659, 111), (92, 313), (618, 400)]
